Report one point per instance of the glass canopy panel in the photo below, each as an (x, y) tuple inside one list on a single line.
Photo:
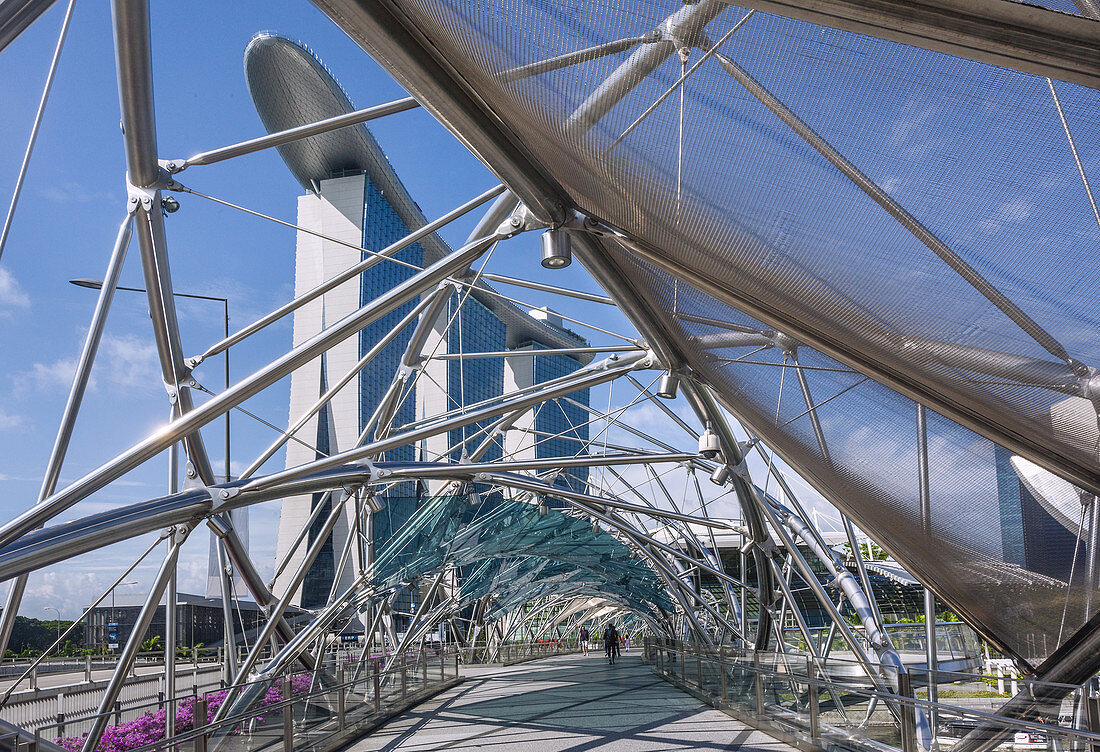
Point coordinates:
[(508, 549)]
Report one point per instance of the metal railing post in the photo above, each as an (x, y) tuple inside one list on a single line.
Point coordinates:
[(199, 720), (758, 686), (442, 664), (424, 667), (699, 670), (88, 668), (812, 692), (683, 674), (340, 698), (34, 678), (908, 719), (288, 717), (456, 664), (60, 714), (377, 683), (722, 678), (404, 676)]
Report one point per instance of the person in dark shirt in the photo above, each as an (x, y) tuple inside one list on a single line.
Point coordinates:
[(611, 644), (583, 637)]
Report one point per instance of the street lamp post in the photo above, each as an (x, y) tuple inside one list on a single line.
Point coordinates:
[(170, 609), (58, 624), (95, 284)]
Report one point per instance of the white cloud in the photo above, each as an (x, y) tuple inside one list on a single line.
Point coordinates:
[(11, 294), (130, 361), (69, 192), (1017, 210), (50, 375), (9, 422), (67, 588), (126, 361)]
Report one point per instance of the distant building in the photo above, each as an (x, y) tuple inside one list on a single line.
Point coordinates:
[(198, 621), (1030, 536), (354, 197)]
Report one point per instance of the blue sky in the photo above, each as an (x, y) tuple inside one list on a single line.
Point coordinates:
[(68, 216)]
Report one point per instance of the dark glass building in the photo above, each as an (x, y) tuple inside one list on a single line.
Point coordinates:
[(199, 621)]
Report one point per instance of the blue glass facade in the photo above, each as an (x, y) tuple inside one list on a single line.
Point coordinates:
[(562, 418), (472, 380), (382, 227), (319, 577)]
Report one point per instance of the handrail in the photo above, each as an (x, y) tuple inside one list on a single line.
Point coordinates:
[(747, 683), (396, 679)]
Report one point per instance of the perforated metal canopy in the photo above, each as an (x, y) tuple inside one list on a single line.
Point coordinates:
[(900, 222)]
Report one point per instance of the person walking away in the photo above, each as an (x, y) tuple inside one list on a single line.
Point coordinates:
[(611, 643), (583, 637)]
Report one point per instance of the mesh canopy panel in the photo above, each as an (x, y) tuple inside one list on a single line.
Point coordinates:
[(975, 152), (722, 190), (983, 543)]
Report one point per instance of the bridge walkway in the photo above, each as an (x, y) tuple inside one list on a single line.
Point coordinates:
[(565, 704)]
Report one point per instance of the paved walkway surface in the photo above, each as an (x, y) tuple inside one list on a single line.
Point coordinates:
[(569, 703)]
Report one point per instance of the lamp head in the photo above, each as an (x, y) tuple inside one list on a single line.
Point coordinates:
[(557, 252)]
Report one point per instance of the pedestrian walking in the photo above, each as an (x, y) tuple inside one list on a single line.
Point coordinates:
[(583, 637), (611, 644)]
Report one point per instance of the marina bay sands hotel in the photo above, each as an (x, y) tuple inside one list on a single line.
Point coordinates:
[(353, 195)]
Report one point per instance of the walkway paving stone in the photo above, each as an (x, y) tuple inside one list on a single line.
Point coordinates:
[(570, 703)]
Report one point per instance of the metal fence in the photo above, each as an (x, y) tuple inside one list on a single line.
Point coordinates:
[(955, 641), (792, 697), (357, 695), (517, 652), (33, 709)]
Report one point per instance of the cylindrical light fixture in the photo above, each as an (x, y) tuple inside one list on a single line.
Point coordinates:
[(720, 475), (473, 498), (709, 443), (374, 503), (557, 252), (668, 386)]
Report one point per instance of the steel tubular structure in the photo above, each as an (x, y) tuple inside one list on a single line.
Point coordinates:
[(500, 544)]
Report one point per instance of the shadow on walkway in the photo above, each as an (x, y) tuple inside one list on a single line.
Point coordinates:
[(572, 703)]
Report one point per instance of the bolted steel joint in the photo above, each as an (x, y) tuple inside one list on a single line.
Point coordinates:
[(172, 166), (521, 220), (1090, 384)]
